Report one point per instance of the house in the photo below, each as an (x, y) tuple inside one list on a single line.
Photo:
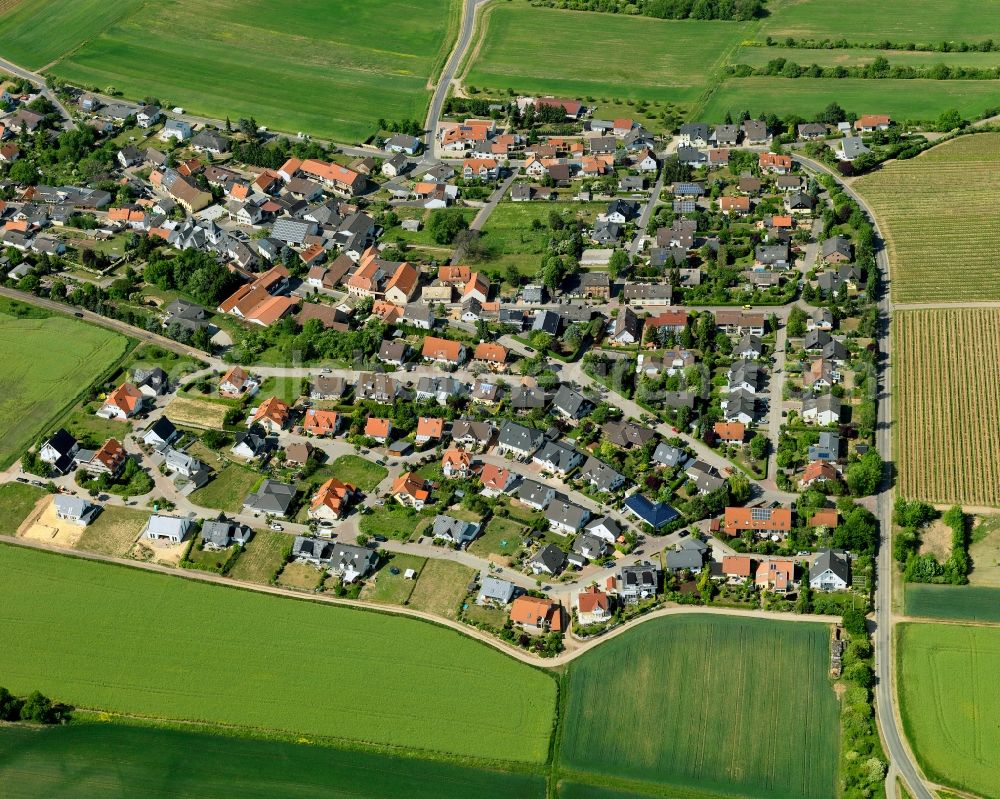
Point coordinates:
[(820, 374), (393, 352), (836, 250), (311, 551), (318, 422), (669, 455), (537, 615), (824, 410), (750, 348), (443, 351), (75, 509), (109, 459), (468, 433), (694, 135), (606, 232), (638, 582), (454, 531), (151, 382), (219, 534), (402, 285), (730, 432), (331, 500), (429, 429), (439, 389), (600, 476), (621, 211), (261, 301), (456, 463), (252, 444), (737, 206), (378, 387), (496, 480), (410, 490), (718, 157), (495, 591), (403, 143), (148, 116), (827, 448), (237, 382), (394, 166), (830, 570), (656, 514), (799, 203), (688, 556), (570, 403), (298, 453), (493, 354), (850, 148), (273, 498), (725, 135), (736, 322), (777, 256), (123, 403), (593, 606), (818, 472), (590, 546), (272, 415), (869, 123), (820, 319), (745, 376), (556, 457), (778, 164), (166, 528), (548, 560), (419, 315), (648, 293), (176, 129), (349, 562), (605, 528), (757, 520), (626, 328), (210, 141), (754, 132), (692, 156), (740, 406), (480, 168), (519, 441), (379, 430), (738, 568), (812, 130), (535, 495), (627, 434), (776, 575), (327, 387), (58, 451)]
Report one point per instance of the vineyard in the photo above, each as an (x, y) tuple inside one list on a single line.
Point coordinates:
[(938, 215), (947, 378)]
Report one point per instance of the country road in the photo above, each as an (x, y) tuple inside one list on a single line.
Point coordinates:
[(38, 80)]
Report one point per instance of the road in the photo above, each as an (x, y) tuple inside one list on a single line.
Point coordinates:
[(896, 746), (39, 81), (647, 213), (484, 213)]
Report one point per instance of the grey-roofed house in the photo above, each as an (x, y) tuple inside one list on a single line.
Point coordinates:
[(418, 314), (827, 448), (519, 440), (835, 351), (75, 510), (746, 376), (637, 582), (626, 328), (58, 451), (350, 562), (565, 518), (600, 476), (548, 560), (627, 434), (606, 232), (440, 389), (292, 231), (210, 141), (705, 477), (546, 322), (689, 555), (181, 464), (851, 147), (668, 455), (830, 571), (590, 546), (535, 495), (166, 528), (824, 410), (252, 444), (740, 406), (571, 403), (527, 398), (160, 433), (454, 531), (750, 347), (556, 457), (221, 533), (777, 256), (815, 340), (605, 528), (812, 130), (273, 498), (495, 591), (836, 250)]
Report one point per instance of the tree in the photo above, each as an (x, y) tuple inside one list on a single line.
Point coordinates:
[(10, 706), (949, 120), (38, 708), (739, 487), (796, 322), (444, 226), (758, 447), (864, 475), (618, 264), (854, 623)]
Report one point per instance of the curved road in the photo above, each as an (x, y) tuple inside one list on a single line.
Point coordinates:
[(39, 81)]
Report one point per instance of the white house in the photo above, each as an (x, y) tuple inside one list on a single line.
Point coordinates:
[(830, 571), (166, 528)]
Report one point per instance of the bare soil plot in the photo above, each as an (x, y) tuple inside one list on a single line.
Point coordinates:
[(45, 526)]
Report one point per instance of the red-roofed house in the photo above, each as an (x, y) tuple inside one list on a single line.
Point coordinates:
[(122, 403), (335, 177), (869, 123), (763, 520), (674, 320), (537, 615), (734, 205), (772, 162), (410, 490), (109, 459), (776, 575), (331, 500), (482, 168), (321, 423), (593, 605), (818, 472), (456, 463), (272, 414), (442, 350), (737, 568), (237, 382), (402, 285), (429, 428), (730, 432), (496, 480), (378, 429), (492, 353)]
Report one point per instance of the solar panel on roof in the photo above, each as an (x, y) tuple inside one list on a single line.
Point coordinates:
[(760, 514)]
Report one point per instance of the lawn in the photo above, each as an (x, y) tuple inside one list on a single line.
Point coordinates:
[(332, 69), (949, 703), (197, 412), (359, 472), (927, 243), (757, 717), (17, 500), (394, 589), (112, 761), (583, 54), (436, 690), (288, 389), (227, 490), (301, 576), (262, 556), (208, 559), (392, 520), (441, 587), (114, 531), (501, 537), (963, 602), (42, 376)]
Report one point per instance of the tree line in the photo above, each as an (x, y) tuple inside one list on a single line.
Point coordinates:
[(739, 10)]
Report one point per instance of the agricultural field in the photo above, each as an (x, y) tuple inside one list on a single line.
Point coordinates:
[(17, 500), (114, 531), (962, 602), (538, 50), (948, 398), (262, 556), (937, 254), (34, 390), (488, 706), (949, 703), (326, 68), (984, 549), (668, 725), (359, 472), (108, 761), (227, 490)]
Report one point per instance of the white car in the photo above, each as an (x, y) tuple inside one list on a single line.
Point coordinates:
[(277, 527)]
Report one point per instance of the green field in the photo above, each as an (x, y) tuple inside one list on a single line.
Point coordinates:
[(861, 56), (583, 54), (109, 761), (963, 602), (332, 69), (358, 471), (227, 490), (929, 21), (41, 375), (949, 703), (939, 224), (200, 652), (917, 100), (758, 718), (16, 501)]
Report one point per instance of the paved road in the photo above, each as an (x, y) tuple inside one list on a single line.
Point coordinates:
[(484, 213), (647, 214), (898, 750), (39, 81)]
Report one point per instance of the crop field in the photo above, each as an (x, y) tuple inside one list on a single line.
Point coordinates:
[(962, 602), (33, 389), (328, 68), (758, 718), (121, 655), (197, 413), (938, 215), (112, 761), (949, 703), (920, 100), (947, 387), (261, 557), (541, 50)]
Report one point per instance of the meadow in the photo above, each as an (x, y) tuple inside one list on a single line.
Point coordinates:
[(388, 680), (331, 69), (758, 719), (947, 385), (106, 761), (962, 602), (938, 215), (583, 54), (359, 472), (17, 500), (227, 490), (33, 389), (949, 703)]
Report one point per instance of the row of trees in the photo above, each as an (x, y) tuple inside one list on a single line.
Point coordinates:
[(740, 10), (877, 69), (36, 707)]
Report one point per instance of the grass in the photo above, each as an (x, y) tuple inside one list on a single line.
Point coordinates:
[(581, 790), (391, 520), (962, 602), (288, 389), (227, 490), (861, 56), (301, 576), (441, 587), (933, 217), (723, 724), (540, 50), (42, 376), (436, 690), (359, 472), (196, 412), (985, 552), (328, 68), (115, 761), (394, 589), (208, 559), (501, 537), (263, 555), (949, 704), (17, 500), (114, 531), (948, 386)]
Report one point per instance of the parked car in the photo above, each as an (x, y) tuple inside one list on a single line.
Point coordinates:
[(277, 527)]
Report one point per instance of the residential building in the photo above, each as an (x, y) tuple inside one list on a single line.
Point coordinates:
[(830, 570), (548, 560), (638, 582), (167, 528), (459, 532), (331, 500), (273, 498), (536, 615), (410, 490), (759, 520)]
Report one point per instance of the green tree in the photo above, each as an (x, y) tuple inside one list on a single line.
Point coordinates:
[(796, 322), (38, 708), (444, 226)]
